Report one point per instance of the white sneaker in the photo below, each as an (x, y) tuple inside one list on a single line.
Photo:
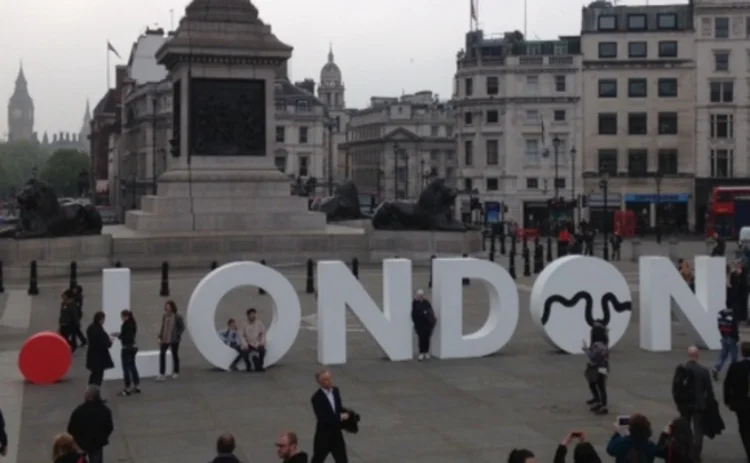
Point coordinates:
[(175, 376), (160, 378), (427, 356), (420, 357)]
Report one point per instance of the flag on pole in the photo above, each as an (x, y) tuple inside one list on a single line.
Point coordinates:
[(112, 49)]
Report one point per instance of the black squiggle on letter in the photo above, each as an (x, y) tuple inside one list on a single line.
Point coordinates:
[(609, 302)]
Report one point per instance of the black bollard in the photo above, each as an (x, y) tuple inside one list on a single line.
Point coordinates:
[(432, 258), (310, 284), (164, 291), (526, 261), (2, 284), (355, 268), (73, 275), (512, 264), (538, 256), (214, 265), (502, 244), (549, 249), (261, 290), (33, 283), (118, 264), (465, 281), (492, 248)]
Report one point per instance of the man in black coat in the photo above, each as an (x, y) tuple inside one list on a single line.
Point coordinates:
[(98, 358), (329, 413), (737, 394), (91, 425), (423, 318), (3, 436), (703, 394)]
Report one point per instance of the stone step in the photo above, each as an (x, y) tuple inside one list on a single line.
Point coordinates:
[(175, 206), (262, 220)]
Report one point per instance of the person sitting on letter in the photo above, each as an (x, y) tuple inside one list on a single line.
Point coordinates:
[(232, 338), (254, 338)]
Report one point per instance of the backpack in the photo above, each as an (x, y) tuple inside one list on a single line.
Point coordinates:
[(635, 456), (683, 386)]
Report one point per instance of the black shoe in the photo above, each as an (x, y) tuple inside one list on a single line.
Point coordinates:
[(233, 368), (83, 344), (592, 402), (124, 393), (715, 375), (135, 391), (601, 411), (594, 408)]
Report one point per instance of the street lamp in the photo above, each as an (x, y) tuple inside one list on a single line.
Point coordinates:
[(573, 182), (396, 147), (659, 177), (555, 187), (330, 124), (604, 185)]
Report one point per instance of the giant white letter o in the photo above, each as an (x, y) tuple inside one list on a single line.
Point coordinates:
[(201, 311), (574, 291)]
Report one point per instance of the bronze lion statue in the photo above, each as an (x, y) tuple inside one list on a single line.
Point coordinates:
[(432, 211), (40, 214), (343, 205)]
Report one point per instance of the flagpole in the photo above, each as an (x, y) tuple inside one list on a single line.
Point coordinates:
[(525, 17), (107, 88)]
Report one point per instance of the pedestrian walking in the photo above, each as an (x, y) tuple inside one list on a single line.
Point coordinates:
[(91, 424), (77, 294), (730, 336), (737, 394), (692, 392), (97, 355)]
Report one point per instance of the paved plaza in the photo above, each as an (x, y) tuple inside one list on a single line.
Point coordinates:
[(437, 411)]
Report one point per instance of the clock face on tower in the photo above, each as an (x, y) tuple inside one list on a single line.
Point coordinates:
[(16, 114)]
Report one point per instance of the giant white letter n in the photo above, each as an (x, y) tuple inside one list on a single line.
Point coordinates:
[(391, 328)]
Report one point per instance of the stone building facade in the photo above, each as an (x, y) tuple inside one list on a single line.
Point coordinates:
[(518, 118), (638, 111), (397, 145)]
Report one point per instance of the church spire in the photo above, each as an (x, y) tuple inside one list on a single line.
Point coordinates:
[(330, 52), (21, 79), (87, 114)]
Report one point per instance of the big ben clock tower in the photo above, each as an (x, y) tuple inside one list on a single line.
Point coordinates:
[(20, 111)]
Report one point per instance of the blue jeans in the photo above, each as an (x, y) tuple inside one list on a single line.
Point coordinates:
[(728, 350)]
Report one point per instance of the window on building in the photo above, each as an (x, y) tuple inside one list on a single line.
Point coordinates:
[(637, 88), (636, 22), (532, 149), (532, 183), (668, 49), (468, 184), (280, 163), (607, 49), (637, 163), (721, 61), (303, 134), (532, 116), (559, 115), (560, 83), (722, 163), (607, 123), (666, 21), (280, 134), (303, 106), (637, 50), (468, 153), (469, 86), (608, 161), (493, 116), (607, 88), (607, 22), (493, 85), (667, 87), (493, 154), (468, 118), (637, 123), (722, 126), (302, 168), (532, 84), (667, 123), (560, 183), (668, 161), (433, 155), (434, 131), (492, 184), (722, 92), (721, 28)]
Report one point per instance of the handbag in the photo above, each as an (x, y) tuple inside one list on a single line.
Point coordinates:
[(591, 374)]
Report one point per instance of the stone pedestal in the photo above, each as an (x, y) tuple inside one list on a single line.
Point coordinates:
[(223, 62)]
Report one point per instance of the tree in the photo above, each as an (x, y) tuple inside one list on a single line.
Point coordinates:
[(17, 161), (62, 171)]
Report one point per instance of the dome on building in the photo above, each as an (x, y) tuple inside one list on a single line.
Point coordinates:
[(330, 72)]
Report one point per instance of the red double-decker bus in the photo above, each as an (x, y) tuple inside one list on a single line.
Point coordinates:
[(728, 211)]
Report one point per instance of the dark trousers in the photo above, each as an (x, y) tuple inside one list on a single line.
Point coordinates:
[(129, 369), (69, 333), (743, 421), (616, 252), (95, 456), (174, 348), (258, 358), (423, 340), (243, 355), (96, 377), (599, 389), (696, 423), (77, 333), (334, 445)]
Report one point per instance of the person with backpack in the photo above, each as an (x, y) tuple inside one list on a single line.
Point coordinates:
[(634, 446), (675, 444), (730, 336), (692, 393)]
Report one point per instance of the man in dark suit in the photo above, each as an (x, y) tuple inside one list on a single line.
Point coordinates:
[(703, 393), (329, 413), (737, 394)]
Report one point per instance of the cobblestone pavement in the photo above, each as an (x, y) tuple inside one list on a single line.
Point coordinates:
[(527, 395)]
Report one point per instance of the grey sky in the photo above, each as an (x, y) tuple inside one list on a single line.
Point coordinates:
[(383, 47)]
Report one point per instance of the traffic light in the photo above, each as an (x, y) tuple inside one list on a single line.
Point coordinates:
[(174, 147)]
